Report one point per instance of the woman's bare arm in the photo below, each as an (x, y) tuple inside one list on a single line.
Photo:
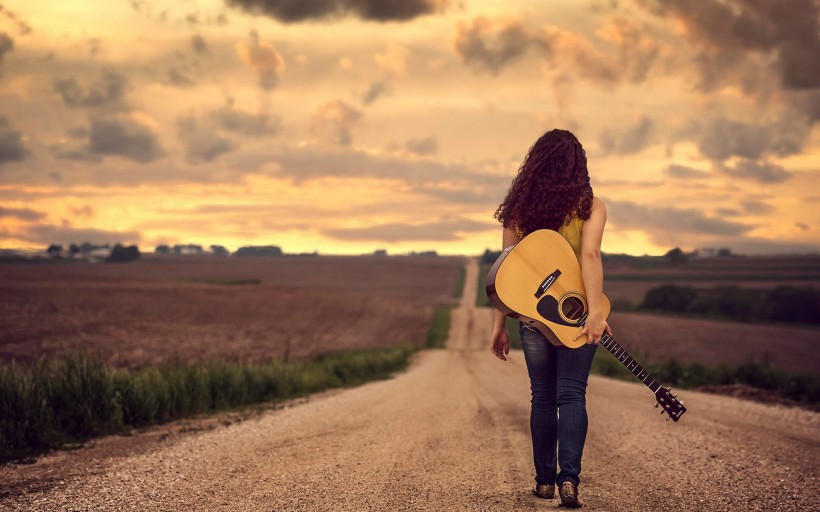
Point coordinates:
[(592, 271), (500, 340)]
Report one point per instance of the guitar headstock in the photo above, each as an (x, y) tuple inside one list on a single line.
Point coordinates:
[(669, 403)]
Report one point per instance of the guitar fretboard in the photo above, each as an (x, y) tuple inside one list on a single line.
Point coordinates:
[(623, 356)]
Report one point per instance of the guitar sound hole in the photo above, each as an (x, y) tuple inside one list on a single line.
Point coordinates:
[(572, 308)]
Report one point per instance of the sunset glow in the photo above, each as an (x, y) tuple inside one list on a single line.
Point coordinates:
[(347, 126)]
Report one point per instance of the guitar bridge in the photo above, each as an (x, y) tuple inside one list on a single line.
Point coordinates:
[(546, 283)]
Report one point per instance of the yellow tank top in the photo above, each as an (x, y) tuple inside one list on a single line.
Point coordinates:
[(572, 232)]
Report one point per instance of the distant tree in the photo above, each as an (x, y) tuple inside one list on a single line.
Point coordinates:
[(258, 250), (724, 253), (162, 249), (793, 304), (219, 250), (54, 250), (380, 252), (669, 297), (489, 256), (86, 247), (675, 255), (121, 253), (73, 249)]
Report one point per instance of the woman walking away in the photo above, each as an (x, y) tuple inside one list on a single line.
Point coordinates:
[(552, 191)]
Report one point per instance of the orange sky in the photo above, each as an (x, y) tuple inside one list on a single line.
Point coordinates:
[(348, 125)]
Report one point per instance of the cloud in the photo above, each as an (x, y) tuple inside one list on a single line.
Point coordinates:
[(668, 220), (123, 137), (239, 121), (6, 45), (335, 121), (444, 230), (757, 207), (628, 141), (486, 45), (12, 148), (179, 79), (290, 11), (51, 234), (720, 139), (637, 49), (762, 172), (425, 146), (108, 91), (21, 213), (375, 91), (202, 144), (199, 44), (262, 58), (684, 173), (728, 32), (23, 27)]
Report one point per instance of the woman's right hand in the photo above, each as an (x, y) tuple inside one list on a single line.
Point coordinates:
[(500, 342)]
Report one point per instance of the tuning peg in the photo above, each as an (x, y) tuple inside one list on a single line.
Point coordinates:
[(656, 406), (682, 402), (674, 396), (668, 418), (663, 412)]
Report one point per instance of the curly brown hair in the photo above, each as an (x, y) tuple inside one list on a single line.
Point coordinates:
[(551, 187)]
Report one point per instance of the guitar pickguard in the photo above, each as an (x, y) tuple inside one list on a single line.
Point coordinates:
[(548, 308)]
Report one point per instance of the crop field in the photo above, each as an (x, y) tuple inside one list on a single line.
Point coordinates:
[(162, 309)]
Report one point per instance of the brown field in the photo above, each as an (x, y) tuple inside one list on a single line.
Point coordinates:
[(246, 309), (712, 342)]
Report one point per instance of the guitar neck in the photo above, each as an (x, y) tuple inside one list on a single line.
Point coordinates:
[(629, 363)]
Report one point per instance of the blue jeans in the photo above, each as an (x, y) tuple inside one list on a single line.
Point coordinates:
[(558, 379)]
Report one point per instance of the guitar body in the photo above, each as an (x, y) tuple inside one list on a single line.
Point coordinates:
[(539, 282)]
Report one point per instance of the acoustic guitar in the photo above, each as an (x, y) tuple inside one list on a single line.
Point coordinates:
[(538, 281)]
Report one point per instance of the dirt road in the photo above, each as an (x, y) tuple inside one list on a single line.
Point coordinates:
[(452, 433)]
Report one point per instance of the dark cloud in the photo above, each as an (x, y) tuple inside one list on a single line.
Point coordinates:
[(762, 172), (108, 91), (12, 148), (802, 226), (238, 121), (21, 213), (262, 58), (375, 91), (201, 143), (669, 220), (123, 137), (726, 31), (179, 79), (51, 234), (444, 230), (290, 11), (757, 207), (6, 45), (630, 140), (199, 44), (335, 121), (83, 211), (720, 139), (683, 172), (485, 46), (425, 146), (727, 212)]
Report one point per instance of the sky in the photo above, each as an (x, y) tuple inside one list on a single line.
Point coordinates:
[(347, 126)]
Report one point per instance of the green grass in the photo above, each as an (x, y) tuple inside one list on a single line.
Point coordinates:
[(61, 402), (440, 328), (803, 389), (458, 289)]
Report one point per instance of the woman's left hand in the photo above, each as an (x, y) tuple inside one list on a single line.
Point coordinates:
[(594, 329)]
